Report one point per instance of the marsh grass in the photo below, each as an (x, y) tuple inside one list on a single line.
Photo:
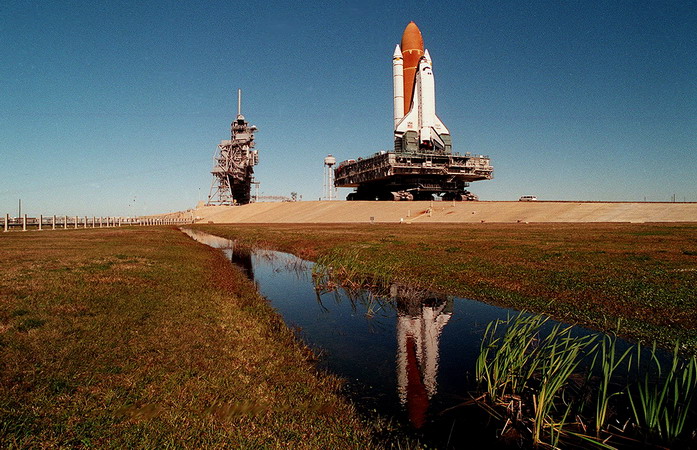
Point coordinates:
[(528, 375), (661, 399), (522, 365), (608, 362), (560, 355), (506, 363), (590, 274), (347, 269)]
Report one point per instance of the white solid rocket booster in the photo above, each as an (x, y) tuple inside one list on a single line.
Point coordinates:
[(398, 79)]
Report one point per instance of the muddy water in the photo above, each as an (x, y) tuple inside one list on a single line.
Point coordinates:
[(406, 353)]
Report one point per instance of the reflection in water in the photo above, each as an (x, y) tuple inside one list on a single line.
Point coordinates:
[(237, 256), (355, 332), (421, 317), (243, 260)]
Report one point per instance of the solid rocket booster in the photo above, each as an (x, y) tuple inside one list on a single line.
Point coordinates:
[(398, 82), (418, 113)]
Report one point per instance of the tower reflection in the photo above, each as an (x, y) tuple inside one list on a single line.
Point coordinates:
[(242, 258)]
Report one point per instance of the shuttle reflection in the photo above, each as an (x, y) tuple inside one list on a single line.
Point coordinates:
[(421, 317)]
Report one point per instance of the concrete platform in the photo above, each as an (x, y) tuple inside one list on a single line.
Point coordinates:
[(447, 212)]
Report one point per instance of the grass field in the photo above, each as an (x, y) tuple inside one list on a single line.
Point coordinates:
[(637, 279), (141, 337)]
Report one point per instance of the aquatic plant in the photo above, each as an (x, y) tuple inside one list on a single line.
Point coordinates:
[(560, 354), (513, 356), (661, 403), (609, 362), (521, 372), (510, 364)]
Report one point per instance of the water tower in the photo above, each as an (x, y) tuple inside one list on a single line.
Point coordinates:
[(329, 188)]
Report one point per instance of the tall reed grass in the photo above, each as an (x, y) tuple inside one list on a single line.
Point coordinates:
[(559, 357), (661, 400), (506, 362), (608, 362), (519, 364)]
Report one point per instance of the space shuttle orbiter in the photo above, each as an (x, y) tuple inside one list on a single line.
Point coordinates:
[(417, 127)]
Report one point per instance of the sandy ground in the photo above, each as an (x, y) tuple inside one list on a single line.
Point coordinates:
[(453, 212)]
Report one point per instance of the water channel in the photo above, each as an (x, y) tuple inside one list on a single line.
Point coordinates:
[(406, 354)]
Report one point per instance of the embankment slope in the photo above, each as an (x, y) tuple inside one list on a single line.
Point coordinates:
[(447, 212)]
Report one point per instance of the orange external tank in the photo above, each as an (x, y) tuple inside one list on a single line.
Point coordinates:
[(412, 50)]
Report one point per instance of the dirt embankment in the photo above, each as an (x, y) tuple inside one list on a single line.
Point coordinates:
[(447, 212)]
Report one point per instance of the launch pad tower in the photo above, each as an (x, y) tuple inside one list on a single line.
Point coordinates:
[(233, 172)]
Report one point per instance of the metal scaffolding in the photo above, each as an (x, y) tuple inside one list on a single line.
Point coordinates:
[(234, 161)]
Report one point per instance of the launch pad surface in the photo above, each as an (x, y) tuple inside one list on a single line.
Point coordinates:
[(448, 212)]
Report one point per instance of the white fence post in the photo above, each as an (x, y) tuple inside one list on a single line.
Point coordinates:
[(53, 222), (41, 219), (7, 222), (24, 223)]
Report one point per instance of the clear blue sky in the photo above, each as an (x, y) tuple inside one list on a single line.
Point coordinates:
[(117, 107)]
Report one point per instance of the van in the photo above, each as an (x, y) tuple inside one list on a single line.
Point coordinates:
[(527, 198)]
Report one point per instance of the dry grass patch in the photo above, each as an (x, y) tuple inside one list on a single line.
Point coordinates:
[(142, 337)]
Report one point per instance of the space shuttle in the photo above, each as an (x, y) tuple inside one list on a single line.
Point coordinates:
[(417, 128)]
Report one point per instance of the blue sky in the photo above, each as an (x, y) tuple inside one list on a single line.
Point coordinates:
[(116, 108)]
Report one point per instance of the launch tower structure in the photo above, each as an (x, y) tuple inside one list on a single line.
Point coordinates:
[(233, 172)]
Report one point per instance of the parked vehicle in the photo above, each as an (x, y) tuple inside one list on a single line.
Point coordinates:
[(527, 198)]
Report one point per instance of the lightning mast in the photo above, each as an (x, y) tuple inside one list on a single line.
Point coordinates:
[(234, 161)]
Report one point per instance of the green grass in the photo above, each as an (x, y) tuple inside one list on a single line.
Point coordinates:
[(608, 361), (661, 400), (640, 275), (540, 385), (143, 338), (507, 362)]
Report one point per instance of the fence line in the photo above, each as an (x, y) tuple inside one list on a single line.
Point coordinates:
[(40, 223)]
